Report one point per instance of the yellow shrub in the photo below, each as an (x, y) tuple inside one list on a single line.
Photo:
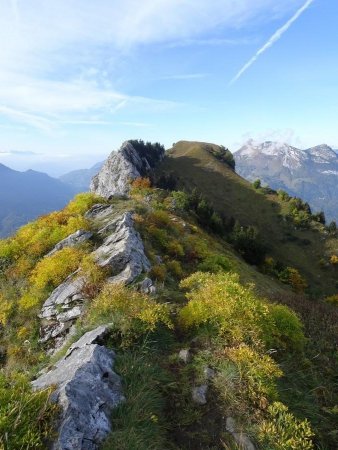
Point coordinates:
[(35, 239), (334, 260), (259, 372), (81, 203), (296, 280), (6, 308), (282, 431), (333, 299), (30, 299), (53, 270), (220, 301), (95, 276), (229, 309), (158, 272), (128, 311), (159, 218)]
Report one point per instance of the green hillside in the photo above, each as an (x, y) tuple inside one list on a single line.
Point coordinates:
[(221, 353), (309, 250)]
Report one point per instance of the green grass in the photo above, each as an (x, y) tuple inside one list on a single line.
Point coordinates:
[(140, 423), (229, 193)]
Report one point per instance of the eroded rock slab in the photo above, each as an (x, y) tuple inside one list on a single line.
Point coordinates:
[(122, 250), (79, 237), (61, 309), (87, 390)]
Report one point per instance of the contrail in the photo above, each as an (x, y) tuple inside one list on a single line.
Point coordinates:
[(274, 38)]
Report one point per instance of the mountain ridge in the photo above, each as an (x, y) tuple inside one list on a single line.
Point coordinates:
[(153, 315), (311, 174), (26, 195)]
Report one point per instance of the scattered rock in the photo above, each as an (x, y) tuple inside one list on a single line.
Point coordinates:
[(123, 250), (147, 287), (98, 210), (87, 390), (209, 373), (119, 169), (199, 394), (158, 259), (241, 439), (74, 239), (184, 355)]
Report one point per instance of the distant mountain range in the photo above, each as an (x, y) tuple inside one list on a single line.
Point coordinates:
[(311, 174), (27, 195), (79, 180)]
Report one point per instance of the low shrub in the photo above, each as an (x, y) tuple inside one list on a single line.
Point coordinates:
[(289, 327), (131, 313), (259, 373), (282, 431), (291, 276), (158, 272), (228, 309), (332, 299), (50, 272), (21, 252), (175, 268), (215, 263), (140, 186)]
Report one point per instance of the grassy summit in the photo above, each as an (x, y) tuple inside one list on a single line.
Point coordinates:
[(195, 165)]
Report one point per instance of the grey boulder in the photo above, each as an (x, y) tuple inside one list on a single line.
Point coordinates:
[(87, 390), (61, 309), (72, 240), (122, 250)]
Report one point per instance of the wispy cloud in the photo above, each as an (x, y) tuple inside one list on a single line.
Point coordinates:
[(69, 51), (273, 39), (18, 153), (185, 76), (210, 42)]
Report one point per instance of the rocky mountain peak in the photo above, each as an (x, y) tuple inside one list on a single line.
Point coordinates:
[(322, 154), (310, 174), (132, 160)]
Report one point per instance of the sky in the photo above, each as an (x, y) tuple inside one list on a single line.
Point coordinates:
[(79, 77)]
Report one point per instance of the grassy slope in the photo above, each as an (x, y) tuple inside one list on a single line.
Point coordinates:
[(236, 197)]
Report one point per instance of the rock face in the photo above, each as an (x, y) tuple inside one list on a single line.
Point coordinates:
[(311, 174), (119, 169), (122, 250), (74, 239), (87, 390), (59, 311)]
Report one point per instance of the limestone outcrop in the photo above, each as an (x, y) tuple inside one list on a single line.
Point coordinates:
[(120, 168), (122, 250), (64, 305), (87, 390), (79, 237)]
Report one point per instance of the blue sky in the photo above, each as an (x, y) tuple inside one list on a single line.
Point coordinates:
[(78, 77)]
